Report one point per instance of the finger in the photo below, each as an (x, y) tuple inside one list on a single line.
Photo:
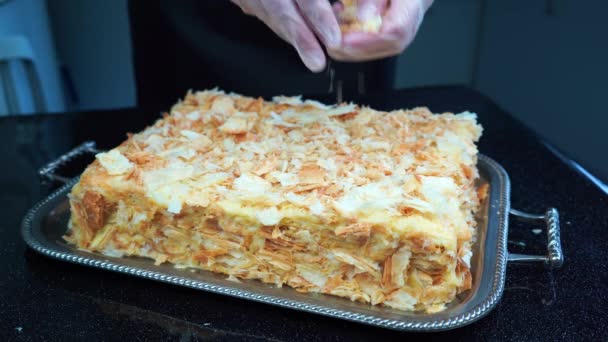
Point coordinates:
[(337, 8), (319, 14), (284, 18), (309, 49)]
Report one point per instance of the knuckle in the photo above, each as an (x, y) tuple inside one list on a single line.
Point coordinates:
[(309, 4), (316, 11)]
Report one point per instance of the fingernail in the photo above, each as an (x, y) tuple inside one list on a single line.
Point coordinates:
[(332, 39), (315, 61)]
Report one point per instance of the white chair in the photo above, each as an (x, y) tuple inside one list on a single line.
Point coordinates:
[(18, 49)]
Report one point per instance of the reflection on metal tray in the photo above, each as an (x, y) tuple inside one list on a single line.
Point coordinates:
[(46, 223)]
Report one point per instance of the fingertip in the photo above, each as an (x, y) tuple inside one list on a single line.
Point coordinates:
[(317, 71), (324, 22), (319, 23), (337, 7), (315, 61), (334, 40), (315, 64), (331, 35)]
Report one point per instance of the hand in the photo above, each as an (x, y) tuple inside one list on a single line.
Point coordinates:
[(297, 22), (400, 22)]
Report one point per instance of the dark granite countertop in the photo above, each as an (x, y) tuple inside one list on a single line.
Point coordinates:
[(44, 299)]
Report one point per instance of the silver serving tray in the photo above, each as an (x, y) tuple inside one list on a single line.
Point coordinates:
[(46, 223)]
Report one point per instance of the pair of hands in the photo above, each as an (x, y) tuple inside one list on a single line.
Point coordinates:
[(301, 22)]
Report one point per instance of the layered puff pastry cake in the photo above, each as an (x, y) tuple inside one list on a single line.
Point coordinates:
[(373, 206)]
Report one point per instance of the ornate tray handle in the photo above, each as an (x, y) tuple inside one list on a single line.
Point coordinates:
[(555, 257), (49, 171)]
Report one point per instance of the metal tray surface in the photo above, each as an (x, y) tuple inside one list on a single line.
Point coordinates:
[(46, 223)]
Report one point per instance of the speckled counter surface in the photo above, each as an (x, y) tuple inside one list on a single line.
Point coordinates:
[(44, 299)]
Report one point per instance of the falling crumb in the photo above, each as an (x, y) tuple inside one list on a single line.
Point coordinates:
[(568, 222), (536, 231), (206, 324), (518, 243), (19, 329)]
